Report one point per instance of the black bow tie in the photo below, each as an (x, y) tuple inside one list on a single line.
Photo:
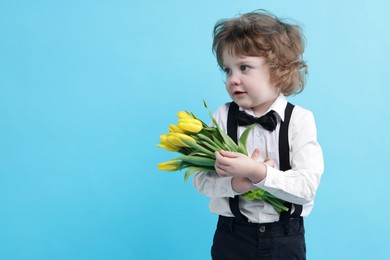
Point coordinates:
[(268, 121)]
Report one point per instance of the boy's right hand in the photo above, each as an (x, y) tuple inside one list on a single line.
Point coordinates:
[(243, 184)]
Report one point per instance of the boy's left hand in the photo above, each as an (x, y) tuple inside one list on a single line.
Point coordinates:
[(237, 164)]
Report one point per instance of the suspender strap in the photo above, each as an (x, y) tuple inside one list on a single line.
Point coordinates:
[(232, 132), (284, 157), (284, 149), (232, 121)]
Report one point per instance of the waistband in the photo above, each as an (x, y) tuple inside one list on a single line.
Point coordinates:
[(289, 225)]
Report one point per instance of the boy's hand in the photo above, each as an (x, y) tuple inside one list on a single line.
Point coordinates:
[(240, 165), (242, 184)]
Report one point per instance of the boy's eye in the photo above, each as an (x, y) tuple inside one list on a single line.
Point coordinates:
[(244, 67), (226, 70)]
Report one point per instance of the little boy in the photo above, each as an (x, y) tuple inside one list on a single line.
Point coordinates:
[(262, 59)]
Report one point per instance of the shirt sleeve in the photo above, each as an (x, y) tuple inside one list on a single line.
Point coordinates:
[(211, 185), (299, 184)]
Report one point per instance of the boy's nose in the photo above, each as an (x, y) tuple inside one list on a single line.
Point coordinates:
[(235, 79)]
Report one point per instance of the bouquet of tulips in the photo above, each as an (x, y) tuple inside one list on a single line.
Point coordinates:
[(197, 142)]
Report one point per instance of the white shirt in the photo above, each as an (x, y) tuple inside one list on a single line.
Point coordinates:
[(297, 185)]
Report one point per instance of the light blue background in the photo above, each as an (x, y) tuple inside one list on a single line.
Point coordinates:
[(87, 87)]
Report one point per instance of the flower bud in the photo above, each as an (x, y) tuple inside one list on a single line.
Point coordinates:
[(176, 139), (172, 165), (190, 125), (184, 115), (175, 129), (165, 144)]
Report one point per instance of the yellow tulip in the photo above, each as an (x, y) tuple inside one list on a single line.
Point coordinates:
[(172, 165), (184, 115), (165, 144), (175, 129), (190, 125), (176, 139)]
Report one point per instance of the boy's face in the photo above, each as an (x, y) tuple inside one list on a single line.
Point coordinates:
[(248, 82)]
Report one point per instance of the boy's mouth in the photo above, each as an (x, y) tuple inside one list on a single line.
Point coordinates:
[(237, 93)]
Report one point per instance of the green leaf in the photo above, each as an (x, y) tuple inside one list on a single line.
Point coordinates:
[(193, 169), (243, 139), (199, 148), (211, 114), (211, 147), (199, 154), (212, 144), (217, 142), (205, 138), (197, 160), (229, 143), (263, 195), (185, 150)]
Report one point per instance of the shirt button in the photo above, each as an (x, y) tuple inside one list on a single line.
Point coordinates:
[(262, 229), (258, 133)]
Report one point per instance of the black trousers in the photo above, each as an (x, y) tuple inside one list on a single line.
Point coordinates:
[(238, 240)]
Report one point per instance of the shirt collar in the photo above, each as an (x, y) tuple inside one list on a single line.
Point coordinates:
[(278, 106)]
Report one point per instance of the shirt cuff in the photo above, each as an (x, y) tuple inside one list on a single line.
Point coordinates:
[(270, 178), (228, 183)]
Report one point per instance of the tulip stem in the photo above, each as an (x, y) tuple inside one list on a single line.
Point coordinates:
[(199, 147), (207, 141)]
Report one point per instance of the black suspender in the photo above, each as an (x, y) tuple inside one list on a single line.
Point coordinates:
[(284, 158), (232, 132)]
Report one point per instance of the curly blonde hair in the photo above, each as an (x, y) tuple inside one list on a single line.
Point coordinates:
[(262, 34)]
